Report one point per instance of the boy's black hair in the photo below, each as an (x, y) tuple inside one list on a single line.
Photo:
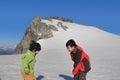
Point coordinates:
[(32, 41), (71, 43), (34, 46)]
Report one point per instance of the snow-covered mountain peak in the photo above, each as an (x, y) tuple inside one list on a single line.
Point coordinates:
[(47, 28), (53, 62)]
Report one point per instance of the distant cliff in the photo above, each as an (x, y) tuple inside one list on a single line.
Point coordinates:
[(38, 30)]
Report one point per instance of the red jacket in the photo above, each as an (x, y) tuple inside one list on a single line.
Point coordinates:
[(81, 61)]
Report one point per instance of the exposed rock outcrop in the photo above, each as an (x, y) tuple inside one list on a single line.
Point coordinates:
[(36, 31), (60, 18), (62, 26)]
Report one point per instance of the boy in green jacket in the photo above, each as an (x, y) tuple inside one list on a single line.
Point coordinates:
[(28, 61)]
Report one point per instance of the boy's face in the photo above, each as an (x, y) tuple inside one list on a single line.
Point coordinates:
[(70, 49), (37, 52)]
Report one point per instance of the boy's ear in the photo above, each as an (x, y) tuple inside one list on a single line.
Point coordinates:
[(73, 47), (33, 50)]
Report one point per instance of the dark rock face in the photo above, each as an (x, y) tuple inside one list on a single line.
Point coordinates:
[(53, 28), (62, 26), (48, 18), (60, 18), (36, 31)]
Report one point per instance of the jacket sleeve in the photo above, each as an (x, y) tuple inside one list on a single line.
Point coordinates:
[(27, 60), (77, 62)]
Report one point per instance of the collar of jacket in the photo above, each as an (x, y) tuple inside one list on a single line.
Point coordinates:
[(30, 52), (75, 50)]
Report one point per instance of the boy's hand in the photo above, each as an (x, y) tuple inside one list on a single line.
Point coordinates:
[(74, 72), (27, 73)]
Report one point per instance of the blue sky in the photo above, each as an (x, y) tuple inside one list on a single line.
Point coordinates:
[(16, 15)]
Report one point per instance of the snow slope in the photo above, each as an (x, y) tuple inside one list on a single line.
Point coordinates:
[(53, 62)]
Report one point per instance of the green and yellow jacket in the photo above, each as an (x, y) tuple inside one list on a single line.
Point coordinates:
[(28, 62)]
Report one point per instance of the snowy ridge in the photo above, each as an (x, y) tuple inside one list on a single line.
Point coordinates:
[(54, 22)]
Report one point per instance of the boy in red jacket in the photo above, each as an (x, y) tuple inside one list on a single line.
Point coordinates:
[(81, 60)]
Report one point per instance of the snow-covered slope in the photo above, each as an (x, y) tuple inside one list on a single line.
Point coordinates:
[(53, 62)]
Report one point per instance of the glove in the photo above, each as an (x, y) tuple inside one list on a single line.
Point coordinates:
[(74, 72)]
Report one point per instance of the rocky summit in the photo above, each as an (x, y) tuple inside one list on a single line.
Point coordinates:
[(39, 30)]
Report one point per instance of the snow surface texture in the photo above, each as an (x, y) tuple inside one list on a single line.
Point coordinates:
[(54, 63)]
